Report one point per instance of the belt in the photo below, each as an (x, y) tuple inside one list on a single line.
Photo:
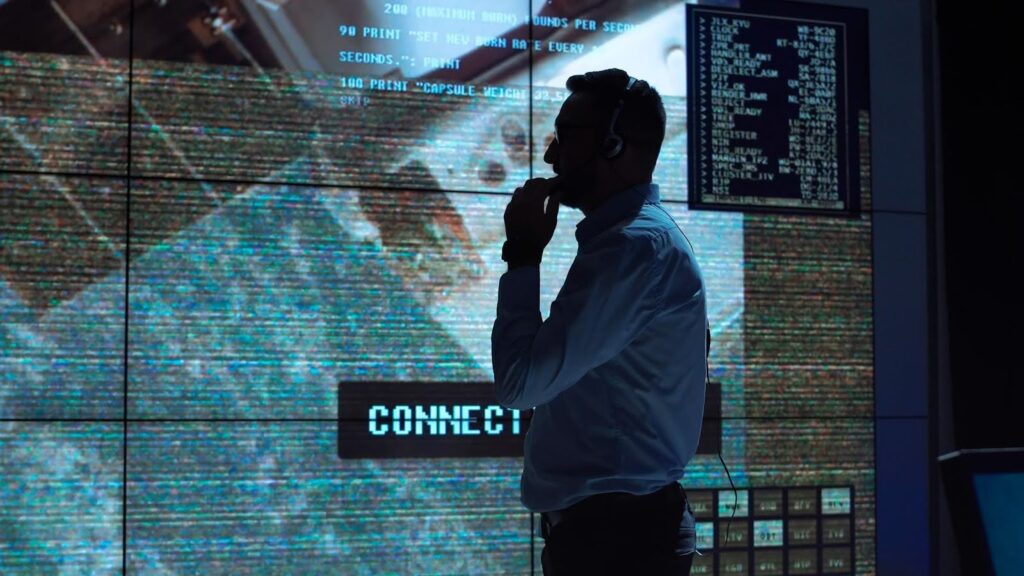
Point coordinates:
[(551, 519)]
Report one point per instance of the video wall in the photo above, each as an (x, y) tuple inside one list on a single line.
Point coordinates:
[(215, 213)]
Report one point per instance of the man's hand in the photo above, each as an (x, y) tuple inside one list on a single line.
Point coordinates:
[(525, 217)]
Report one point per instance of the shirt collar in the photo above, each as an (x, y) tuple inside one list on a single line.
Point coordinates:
[(615, 208)]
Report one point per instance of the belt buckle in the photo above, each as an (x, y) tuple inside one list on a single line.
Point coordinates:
[(555, 516), (548, 520)]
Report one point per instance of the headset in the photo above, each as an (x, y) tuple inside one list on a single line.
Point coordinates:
[(613, 142), (612, 147)]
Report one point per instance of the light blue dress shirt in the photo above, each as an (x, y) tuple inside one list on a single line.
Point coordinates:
[(616, 374)]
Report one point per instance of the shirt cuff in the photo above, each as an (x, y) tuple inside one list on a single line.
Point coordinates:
[(519, 290)]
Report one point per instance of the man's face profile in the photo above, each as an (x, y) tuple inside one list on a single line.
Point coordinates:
[(575, 152)]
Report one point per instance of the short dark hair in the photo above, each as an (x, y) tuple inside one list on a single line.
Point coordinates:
[(642, 120)]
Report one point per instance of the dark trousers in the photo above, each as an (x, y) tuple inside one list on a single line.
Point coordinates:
[(622, 534)]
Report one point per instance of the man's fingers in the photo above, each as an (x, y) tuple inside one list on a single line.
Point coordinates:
[(552, 207), (537, 188)]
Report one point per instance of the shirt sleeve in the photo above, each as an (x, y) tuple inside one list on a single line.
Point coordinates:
[(609, 296)]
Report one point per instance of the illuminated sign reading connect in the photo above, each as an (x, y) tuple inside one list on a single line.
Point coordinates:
[(438, 420), (427, 420)]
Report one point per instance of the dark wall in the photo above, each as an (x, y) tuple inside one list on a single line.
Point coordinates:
[(980, 174)]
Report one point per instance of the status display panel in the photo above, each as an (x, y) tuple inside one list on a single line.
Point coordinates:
[(779, 106)]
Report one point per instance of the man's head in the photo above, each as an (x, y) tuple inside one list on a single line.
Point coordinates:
[(582, 152)]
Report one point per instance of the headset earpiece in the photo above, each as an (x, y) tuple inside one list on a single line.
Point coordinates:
[(612, 145), (613, 142)]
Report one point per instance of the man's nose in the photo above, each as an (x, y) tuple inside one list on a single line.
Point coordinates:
[(551, 154)]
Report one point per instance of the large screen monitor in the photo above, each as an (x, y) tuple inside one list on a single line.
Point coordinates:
[(230, 229)]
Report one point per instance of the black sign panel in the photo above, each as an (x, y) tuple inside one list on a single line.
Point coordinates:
[(452, 420)]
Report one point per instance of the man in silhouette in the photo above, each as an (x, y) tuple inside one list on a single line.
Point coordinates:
[(616, 374)]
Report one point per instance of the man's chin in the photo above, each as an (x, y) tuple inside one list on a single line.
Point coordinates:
[(569, 198)]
